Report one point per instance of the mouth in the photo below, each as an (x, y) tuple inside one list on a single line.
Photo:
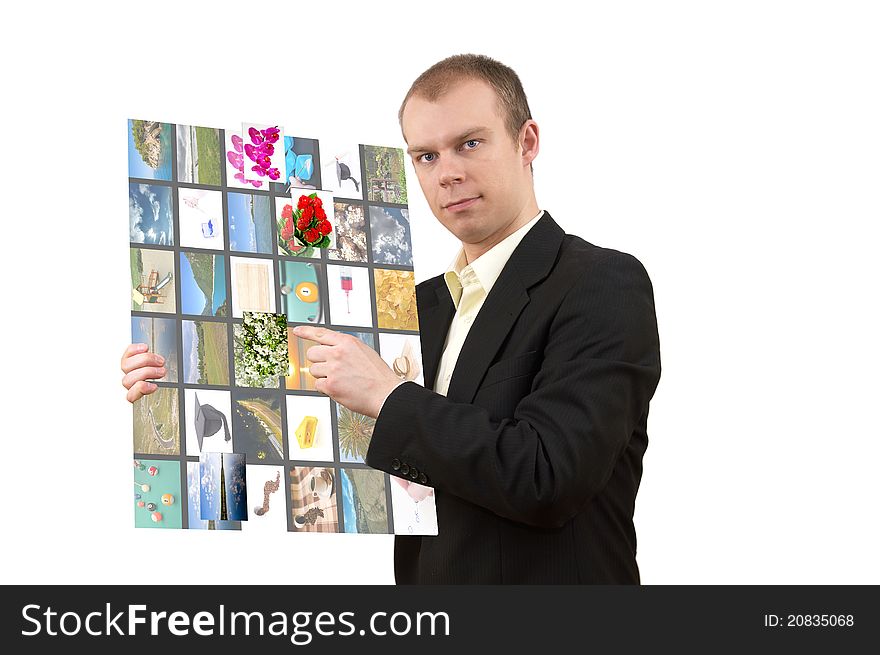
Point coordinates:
[(461, 204)]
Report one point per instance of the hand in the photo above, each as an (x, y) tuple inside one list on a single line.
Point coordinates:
[(348, 370), (417, 492), (140, 366)]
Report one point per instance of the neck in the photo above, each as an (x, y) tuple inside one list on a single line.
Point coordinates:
[(474, 250)]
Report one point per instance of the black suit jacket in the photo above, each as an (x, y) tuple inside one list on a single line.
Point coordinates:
[(535, 453)]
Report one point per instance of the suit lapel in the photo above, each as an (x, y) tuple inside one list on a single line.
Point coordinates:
[(529, 263)]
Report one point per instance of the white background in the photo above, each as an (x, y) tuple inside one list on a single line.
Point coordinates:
[(734, 148)]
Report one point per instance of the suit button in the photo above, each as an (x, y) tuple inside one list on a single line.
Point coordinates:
[(414, 473), (395, 464), (423, 478), (404, 468)]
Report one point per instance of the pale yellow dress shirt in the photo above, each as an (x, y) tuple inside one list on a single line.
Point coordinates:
[(469, 284)]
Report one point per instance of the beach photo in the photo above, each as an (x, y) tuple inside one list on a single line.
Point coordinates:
[(351, 233), (301, 298), (353, 433), (341, 169), (267, 506), (386, 174), (390, 235), (203, 284), (396, 299), (205, 353), (223, 487), (260, 350), (250, 222), (348, 292), (201, 218), (364, 508), (160, 335), (257, 425), (309, 428), (150, 214), (157, 423), (150, 149), (193, 503), (209, 427), (313, 499), (198, 155), (152, 281), (403, 353), (253, 285), (157, 499)]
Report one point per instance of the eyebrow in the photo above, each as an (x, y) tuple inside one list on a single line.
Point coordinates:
[(461, 137)]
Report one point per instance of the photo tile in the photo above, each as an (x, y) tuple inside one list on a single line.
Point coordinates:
[(157, 423), (353, 433), (301, 163), (205, 352), (403, 353), (160, 335), (203, 284), (313, 499), (385, 174), (150, 214), (209, 427), (310, 428), (222, 487), (253, 285), (341, 169), (260, 350), (396, 300), (198, 155), (200, 218), (267, 507), (390, 235), (349, 297), (250, 223), (364, 506), (351, 233), (157, 499), (301, 297), (285, 208), (258, 425), (262, 152), (413, 508), (150, 151), (194, 514), (298, 375), (152, 281)]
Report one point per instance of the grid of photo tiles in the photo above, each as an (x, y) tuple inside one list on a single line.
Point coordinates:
[(236, 437)]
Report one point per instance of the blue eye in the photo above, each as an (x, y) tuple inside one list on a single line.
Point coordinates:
[(419, 158)]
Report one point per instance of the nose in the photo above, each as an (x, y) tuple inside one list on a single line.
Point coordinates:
[(450, 171)]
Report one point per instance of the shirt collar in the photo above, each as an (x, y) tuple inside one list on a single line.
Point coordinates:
[(486, 268)]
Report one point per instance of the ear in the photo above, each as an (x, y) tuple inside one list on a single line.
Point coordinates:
[(529, 141)]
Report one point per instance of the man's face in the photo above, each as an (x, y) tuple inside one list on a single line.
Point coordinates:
[(456, 162)]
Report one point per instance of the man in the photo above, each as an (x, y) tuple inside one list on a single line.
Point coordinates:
[(540, 354)]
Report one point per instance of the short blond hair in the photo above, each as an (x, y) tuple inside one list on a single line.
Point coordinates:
[(439, 78)]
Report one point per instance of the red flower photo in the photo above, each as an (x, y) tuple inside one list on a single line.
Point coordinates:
[(305, 228)]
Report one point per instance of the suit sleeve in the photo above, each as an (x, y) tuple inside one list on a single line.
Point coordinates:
[(600, 368)]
